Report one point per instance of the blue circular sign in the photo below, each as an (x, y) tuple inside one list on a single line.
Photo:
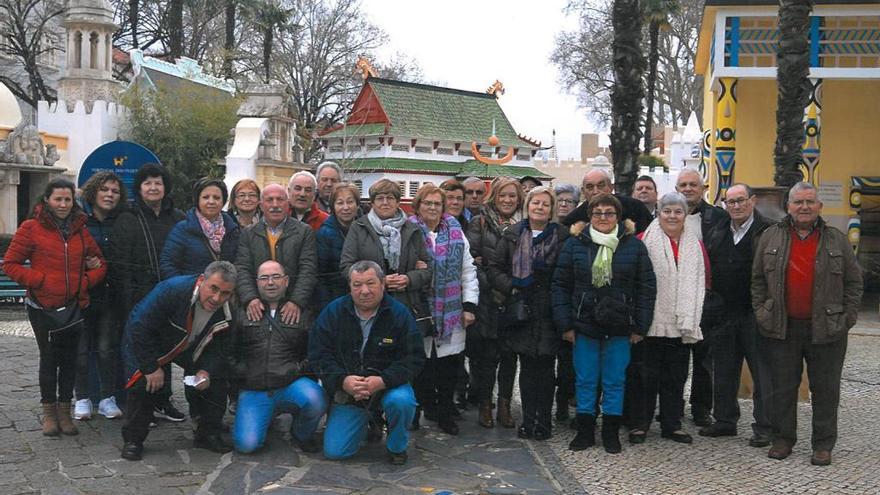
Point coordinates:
[(123, 158)]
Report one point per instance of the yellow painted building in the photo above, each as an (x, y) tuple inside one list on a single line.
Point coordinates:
[(736, 56)]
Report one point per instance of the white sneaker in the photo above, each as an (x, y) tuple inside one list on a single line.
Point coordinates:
[(108, 408), (82, 410)]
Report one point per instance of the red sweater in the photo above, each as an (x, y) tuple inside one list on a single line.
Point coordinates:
[(799, 276)]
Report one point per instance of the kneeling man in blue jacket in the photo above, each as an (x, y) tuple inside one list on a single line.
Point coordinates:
[(185, 320), (367, 350)]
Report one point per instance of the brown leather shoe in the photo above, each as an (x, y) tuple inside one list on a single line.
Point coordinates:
[(486, 420), (821, 458), (504, 417), (65, 423), (779, 451), (50, 419)]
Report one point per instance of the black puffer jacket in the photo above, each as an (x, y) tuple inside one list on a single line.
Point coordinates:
[(268, 354), (135, 246), (538, 336), (483, 235), (632, 283)]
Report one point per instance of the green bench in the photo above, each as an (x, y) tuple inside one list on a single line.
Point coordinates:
[(10, 291)]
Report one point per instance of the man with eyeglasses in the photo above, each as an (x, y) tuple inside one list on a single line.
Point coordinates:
[(711, 219), (474, 194), (279, 238), (600, 180), (269, 359), (736, 337), (806, 292)]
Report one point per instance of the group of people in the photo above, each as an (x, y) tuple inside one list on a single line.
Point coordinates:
[(302, 300)]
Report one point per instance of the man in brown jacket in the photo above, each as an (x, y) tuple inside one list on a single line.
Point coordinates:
[(806, 291)]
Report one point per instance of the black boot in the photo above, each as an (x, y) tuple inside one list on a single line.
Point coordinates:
[(586, 433), (610, 437)]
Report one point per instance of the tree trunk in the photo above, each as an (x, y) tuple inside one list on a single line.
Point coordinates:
[(653, 57), (229, 42), (626, 96), (133, 20), (267, 51), (792, 77), (175, 28)]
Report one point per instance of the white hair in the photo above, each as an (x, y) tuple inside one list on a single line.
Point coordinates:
[(335, 166), (606, 172), (801, 186), (473, 180), (687, 171), (303, 173)]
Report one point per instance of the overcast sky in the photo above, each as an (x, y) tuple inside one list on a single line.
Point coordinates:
[(467, 44)]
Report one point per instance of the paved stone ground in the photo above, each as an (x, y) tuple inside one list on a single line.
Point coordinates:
[(478, 461)]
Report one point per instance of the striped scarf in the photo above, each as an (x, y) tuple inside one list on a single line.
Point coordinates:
[(447, 254)]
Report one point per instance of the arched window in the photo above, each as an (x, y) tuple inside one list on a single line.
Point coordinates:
[(93, 51), (77, 50)]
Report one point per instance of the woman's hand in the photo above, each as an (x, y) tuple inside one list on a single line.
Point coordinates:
[(93, 262), (469, 318), (568, 336), (635, 338)]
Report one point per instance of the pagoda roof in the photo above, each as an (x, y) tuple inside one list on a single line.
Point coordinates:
[(387, 107), (469, 168)]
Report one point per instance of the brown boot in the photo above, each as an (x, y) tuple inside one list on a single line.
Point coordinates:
[(486, 420), (504, 417), (50, 419), (65, 423)]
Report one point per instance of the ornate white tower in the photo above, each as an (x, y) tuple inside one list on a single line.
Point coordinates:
[(89, 73)]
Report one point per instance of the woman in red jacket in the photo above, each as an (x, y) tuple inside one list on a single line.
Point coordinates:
[(65, 263)]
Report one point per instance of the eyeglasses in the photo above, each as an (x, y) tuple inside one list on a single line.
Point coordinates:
[(274, 277), (247, 196), (432, 204), (475, 192), (565, 201), (604, 214), (731, 203)]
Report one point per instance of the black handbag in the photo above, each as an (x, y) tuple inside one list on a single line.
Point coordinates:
[(67, 317), (517, 311)]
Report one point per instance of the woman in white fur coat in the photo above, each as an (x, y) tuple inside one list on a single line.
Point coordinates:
[(682, 269)]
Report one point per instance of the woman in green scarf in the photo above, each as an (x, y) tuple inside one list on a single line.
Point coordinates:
[(603, 300)]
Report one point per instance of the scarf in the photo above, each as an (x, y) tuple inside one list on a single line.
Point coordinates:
[(447, 255), (681, 286), (533, 253), (214, 230), (602, 264), (63, 225), (389, 236), (496, 219)]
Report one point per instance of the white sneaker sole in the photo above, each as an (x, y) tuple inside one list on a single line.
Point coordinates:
[(82, 417), (112, 415)]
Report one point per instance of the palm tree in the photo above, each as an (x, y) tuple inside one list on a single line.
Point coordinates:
[(269, 17), (792, 77), (627, 93), (656, 13)]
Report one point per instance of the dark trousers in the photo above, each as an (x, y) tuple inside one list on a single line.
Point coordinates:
[(564, 375), (732, 341), (824, 367), (666, 371), (701, 379), (206, 407), (99, 338), (536, 390), (636, 411), (435, 385), (487, 359), (57, 358)]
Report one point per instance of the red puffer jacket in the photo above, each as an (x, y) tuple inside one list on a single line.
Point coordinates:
[(55, 263)]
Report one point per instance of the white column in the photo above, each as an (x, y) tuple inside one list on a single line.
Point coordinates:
[(86, 50), (69, 50), (99, 54), (108, 56)]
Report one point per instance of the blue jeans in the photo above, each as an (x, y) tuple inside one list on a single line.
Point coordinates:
[(347, 424), (304, 398), (604, 360)]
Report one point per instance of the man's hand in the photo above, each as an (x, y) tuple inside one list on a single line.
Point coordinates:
[(635, 338), (469, 318), (206, 383), (396, 282), (356, 386), (155, 380), (374, 384), (290, 313), (255, 310), (568, 336), (421, 265)]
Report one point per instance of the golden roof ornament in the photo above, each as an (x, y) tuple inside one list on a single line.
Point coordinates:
[(365, 68), (493, 141), (496, 89)]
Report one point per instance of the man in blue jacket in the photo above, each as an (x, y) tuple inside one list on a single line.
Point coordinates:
[(184, 320), (367, 350)]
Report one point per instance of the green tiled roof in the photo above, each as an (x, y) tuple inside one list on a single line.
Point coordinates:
[(462, 169), (444, 114), (357, 130)]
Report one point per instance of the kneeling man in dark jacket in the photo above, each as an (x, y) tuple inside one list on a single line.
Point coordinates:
[(366, 348), (270, 360), (185, 320)]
